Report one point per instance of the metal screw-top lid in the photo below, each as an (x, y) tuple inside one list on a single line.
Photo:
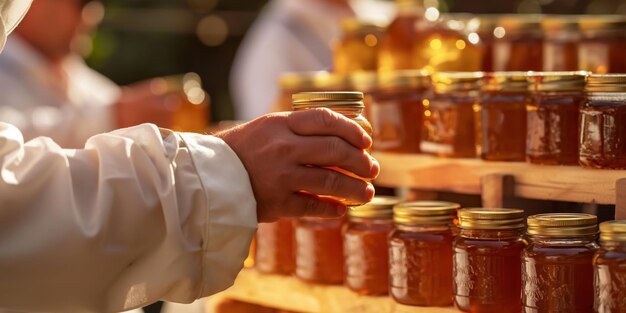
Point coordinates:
[(606, 83), (506, 82), (613, 231), (491, 219), (404, 79), (557, 81), (379, 208), (562, 224), (347, 99), (425, 213), (444, 82)]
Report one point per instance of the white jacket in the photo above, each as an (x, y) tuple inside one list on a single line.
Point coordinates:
[(140, 214)]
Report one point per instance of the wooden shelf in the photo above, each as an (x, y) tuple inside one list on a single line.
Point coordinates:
[(291, 294), (560, 183)]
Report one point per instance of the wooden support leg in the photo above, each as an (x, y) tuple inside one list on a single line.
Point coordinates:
[(620, 199), (496, 188)]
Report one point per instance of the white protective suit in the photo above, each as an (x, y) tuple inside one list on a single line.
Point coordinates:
[(140, 214)]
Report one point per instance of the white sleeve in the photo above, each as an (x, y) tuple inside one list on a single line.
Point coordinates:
[(140, 214)]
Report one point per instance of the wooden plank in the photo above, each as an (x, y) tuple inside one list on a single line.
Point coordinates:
[(560, 183), (495, 189), (620, 203), (289, 293)]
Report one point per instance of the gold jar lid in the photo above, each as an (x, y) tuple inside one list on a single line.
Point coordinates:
[(353, 25), (425, 212), (613, 231), (560, 23), (444, 82), (299, 81), (348, 99), (364, 81), (606, 83), (521, 23), (404, 79), (557, 81), (380, 207), (602, 23), (486, 219), (506, 82), (562, 224)]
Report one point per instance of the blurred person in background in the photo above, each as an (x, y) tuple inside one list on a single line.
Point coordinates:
[(48, 90), (291, 36)]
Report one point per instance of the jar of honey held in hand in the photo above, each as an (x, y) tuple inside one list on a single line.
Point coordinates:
[(349, 104), (487, 260), (420, 251), (610, 269), (366, 248), (557, 264)]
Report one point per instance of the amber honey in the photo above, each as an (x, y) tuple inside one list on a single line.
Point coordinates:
[(501, 122), (350, 104), (603, 46), (394, 52), (420, 250), (553, 117), (557, 265), (449, 115), (480, 31), (357, 49), (275, 244), (519, 43), (366, 248), (487, 264), (396, 111), (192, 103), (603, 122), (561, 43), (319, 250), (610, 269)]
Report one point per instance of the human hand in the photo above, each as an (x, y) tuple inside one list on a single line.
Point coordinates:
[(147, 102), (286, 153)]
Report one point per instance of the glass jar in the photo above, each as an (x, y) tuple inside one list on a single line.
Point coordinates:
[(553, 117), (396, 111), (319, 250), (501, 125), (366, 248), (395, 48), (487, 263), (449, 115), (603, 122), (350, 104), (610, 269), (420, 251), (275, 244), (519, 43), (603, 44), (481, 30), (357, 49), (561, 42), (557, 267)]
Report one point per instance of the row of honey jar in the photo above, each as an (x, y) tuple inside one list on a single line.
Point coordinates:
[(420, 38), (555, 118), (486, 260)]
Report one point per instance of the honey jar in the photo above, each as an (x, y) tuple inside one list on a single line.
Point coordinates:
[(420, 251), (603, 46), (349, 104), (561, 42), (449, 115), (366, 247), (319, 250), (502, 117), (519, 43), (396, 111), (603, 122), (395, 48), (487, 263), (357, 49), (553, 117), (610, 269), (275, 244), (557, 264), (480, 31)]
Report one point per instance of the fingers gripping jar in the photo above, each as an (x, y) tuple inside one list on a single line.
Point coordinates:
[(366, 248), (487, 262), (420, 253), (610, 269), (557, 271)]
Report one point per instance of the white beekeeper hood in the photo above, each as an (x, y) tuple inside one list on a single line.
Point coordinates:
[(11, 13)]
